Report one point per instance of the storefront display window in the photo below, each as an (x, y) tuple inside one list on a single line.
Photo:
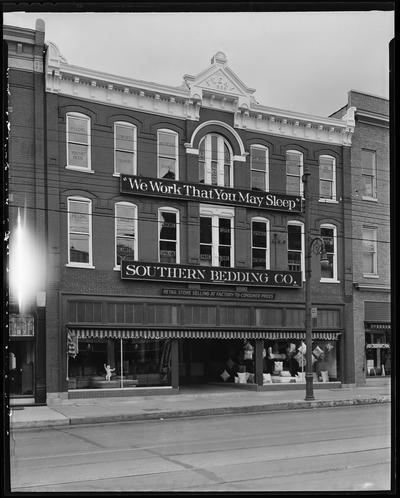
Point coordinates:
[(118, 363), (21, 367)]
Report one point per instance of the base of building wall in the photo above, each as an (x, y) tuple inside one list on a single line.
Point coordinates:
[(111, 393), (279, 387), (56, 397)]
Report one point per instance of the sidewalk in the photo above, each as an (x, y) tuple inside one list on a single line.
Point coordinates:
[(190, 402)]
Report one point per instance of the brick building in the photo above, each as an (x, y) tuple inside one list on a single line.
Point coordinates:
[(173, 225)]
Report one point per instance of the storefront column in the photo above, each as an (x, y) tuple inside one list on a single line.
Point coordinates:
[(258, 368), (175, 363), (40, 357)]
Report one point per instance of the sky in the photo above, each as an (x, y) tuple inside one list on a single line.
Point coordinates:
[(297, 61)]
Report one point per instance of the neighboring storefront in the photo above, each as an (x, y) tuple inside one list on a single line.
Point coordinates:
[(377, 338)]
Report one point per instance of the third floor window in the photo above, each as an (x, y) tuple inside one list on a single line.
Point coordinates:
[(368, 165), (294, 172), (259, 167), (167, 153), (124, 149), (215, 161)]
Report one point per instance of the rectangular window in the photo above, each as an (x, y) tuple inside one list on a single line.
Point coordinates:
[(78, 141), (369, 236), (79, 232), (294, 247), (329, 270), (327, 173), (125, 233), (259, 250), (259, 168), (168, 237), (368, 165), (294, 173), (216, 240), (124, 149), (167, 155)]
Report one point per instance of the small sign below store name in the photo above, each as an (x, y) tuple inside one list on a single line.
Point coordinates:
[(217, 293)]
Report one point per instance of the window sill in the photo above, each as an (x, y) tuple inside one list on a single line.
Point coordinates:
[(370, 275), (329, 201), (77, 265), (118, 175), (329, 281), (83, 170), (117, 268), (372, 199)]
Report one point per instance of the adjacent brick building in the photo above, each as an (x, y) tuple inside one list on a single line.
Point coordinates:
[(173, 225)]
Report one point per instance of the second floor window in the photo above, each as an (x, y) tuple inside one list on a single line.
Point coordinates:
[(167, 151), (295, 247), (79, 231), (216, 238), (368, 165), (369, 246), (125, 232), (259, 167), (294, 172), (327, 178), (259, 246), (124, 149), (78, 141), (328, 235), (168, 220), (215, 161)]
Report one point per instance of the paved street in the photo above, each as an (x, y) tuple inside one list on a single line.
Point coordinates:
[(346, 448)]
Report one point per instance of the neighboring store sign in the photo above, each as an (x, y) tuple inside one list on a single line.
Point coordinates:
[(217, 293), (378, 346), (22, 326), (139, 185), (201, 274)]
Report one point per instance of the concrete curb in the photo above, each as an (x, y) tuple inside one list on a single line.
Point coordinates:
[(201, 412)]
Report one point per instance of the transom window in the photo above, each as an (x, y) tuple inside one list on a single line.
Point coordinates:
[(327, 177), (168, 221), (328, 235), (79, 231), (167, 153), (125, 232), (215, 161), (216, 237), (259, 245), (368, 165), (295, 246), (124, 148), (78, 141), (259, 167), (294, 172)]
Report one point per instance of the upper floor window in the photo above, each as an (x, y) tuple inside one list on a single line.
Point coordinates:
[(216, 236), (78, 141), (327, 178), (167, 153), (125, 232), (215, 161), (328, 235), (168, 235), (79, 232), (294, 172), (295, 246), (124, 148), (368, 166), (259, 243), (259, 167), (369, 246)]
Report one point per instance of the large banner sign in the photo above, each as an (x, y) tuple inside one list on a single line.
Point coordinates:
[(139, 185), (135, 270)]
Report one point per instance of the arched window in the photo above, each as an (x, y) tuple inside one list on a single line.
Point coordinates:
[(294, 172), (78, 141), (168, 235), (329, 236), (295, 246), (124, 148), (215, 161), (327, 178), (125, 232), (260, 253), (167, 154), (79, 232), (259, 167)]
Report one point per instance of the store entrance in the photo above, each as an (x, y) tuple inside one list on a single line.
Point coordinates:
[(203, 361)]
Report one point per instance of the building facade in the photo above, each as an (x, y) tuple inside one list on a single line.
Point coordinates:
[(370, 178), (173, 222)]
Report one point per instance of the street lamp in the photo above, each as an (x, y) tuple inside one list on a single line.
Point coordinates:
[(316, 245)]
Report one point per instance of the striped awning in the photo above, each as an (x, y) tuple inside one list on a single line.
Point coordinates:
[(378, 326), (141, 333)]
